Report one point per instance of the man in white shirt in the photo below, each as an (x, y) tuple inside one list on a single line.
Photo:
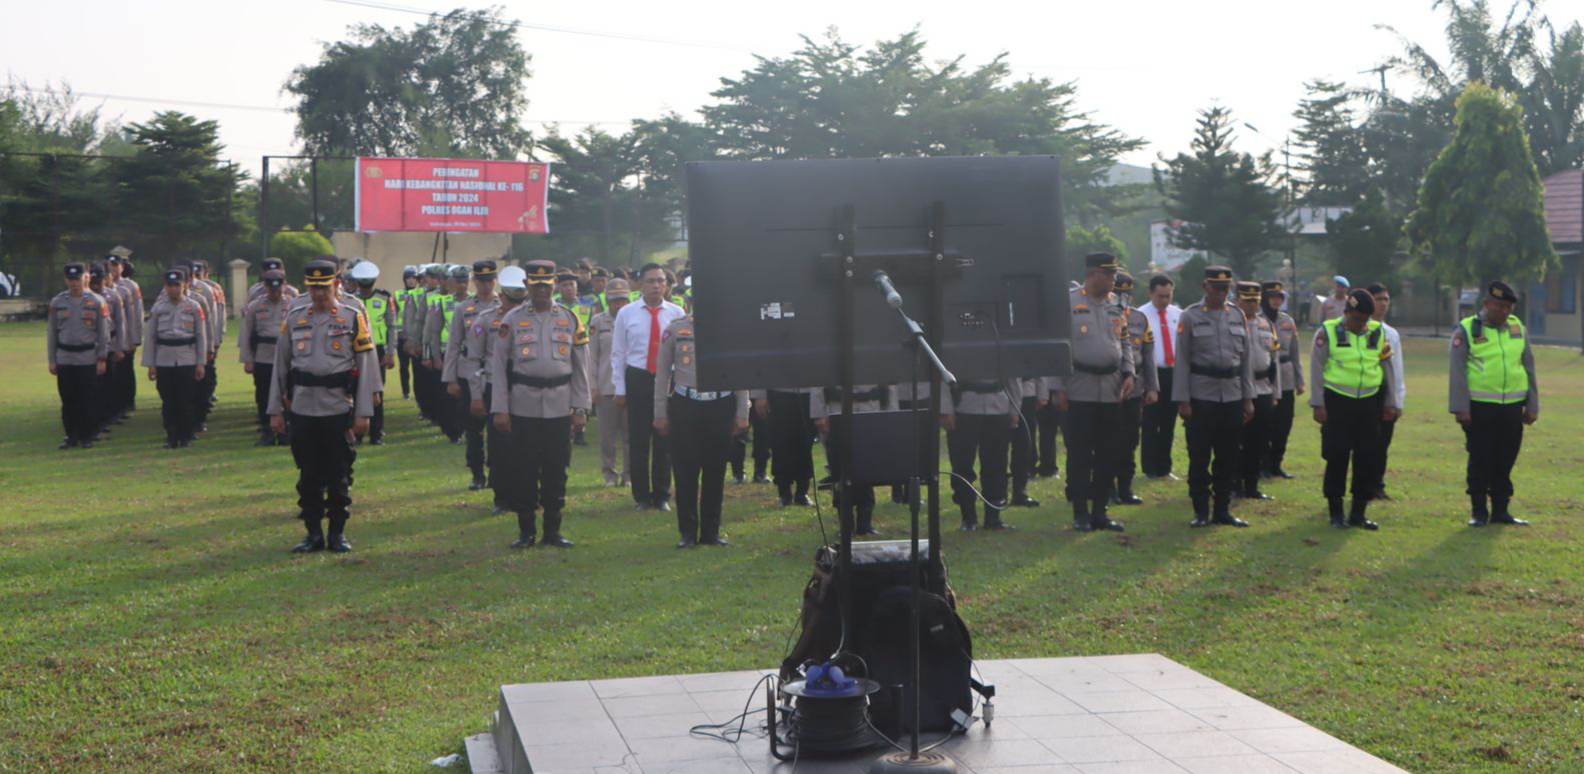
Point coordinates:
[(1383, 303), (635, 350), (1160, 419)]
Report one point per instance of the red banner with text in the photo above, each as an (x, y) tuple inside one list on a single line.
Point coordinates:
[(452, 195)]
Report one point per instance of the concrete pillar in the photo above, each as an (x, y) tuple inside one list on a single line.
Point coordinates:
[(239, 286)]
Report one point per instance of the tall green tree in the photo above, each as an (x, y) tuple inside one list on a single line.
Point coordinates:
[(1083, 241), (178, 188), (1331, 155), (1223, 198), (453, 85), (1481, 211), (1364, 242), (595, 199)]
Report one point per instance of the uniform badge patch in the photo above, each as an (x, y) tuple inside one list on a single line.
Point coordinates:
[(1083, 329)]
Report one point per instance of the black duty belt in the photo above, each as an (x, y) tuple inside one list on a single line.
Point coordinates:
[(834, 395), (1286, 358), (982, 388), (257, 339), (343, 379), (1214, 373), (1270, 373), (539, 382), (1095, 370), (175, 342), (74, 347)]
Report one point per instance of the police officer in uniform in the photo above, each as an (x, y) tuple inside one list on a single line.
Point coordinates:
[(826, 404), (1025, 439), (200, 292), (479, 341), (103, 396), (402, 299), (175, 352), (257, 336), (979, 419), (121, 271), (288, 290), (425, 379), (325, 377), (437, 337), (1214, 395), (461, 362), (380, 309), (701, 426), (612, 418), (1091, 396), (791, 433), (125, 341), (539, 394), (1350, 373), (1263, 357), (78, 346), (1494, 391), (1290, 372), (1146, 390)]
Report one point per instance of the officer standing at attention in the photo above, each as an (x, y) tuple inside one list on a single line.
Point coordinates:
[(437, 336), (539, 394), (325, 377), (461, 363), (123, 343), (700, 427), (103, 394), (257, 336), (567, 295), (1146, 390), (403, 299), (1214, 394), (826, 404), (635, 354), (203, 295), (1349, 371), (979, 419), (1025, 439), (791, 432), (175, 352), (381, 312), (1091, 396), (121, 270), (1263, 356), (424, 379), (612, 420), (1494, 392), (479, 342), (1290, 366), (77, 344), (1382, 298)]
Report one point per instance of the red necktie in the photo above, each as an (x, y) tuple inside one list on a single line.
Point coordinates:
[(1171, 357), (654, 338)]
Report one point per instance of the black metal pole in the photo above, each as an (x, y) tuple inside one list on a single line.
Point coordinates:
[(845, 239), (313, 183), (934, 323), (913, 556), (263, 217)]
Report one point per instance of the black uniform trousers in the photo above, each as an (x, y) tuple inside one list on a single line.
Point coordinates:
[(404, 367), (324, 460), (450, 411), (760, 428), (701, 439), (78, 386), (791, 441), (1256, 442), (473, 429), (1351, 434), (863, 498), (987, 437), (1280, 430), (497, 447), (262, 374), (648, 457), (177, 405), (1092, 440), (1131, 419), (130, 377), (104, 398), (205, 394), (1158, 430), (1494, 436), (1025, 444), (1050, 420), (535, 470), (377, 422), (423, 389), (1214, 433)]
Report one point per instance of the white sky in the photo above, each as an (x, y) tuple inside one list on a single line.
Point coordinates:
[(1144, 66)]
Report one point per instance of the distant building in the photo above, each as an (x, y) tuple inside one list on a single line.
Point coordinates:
[(1311, 221), (1552, 305), (1165, 255)]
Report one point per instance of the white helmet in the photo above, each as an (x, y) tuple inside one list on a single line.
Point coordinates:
[(365, 271), (513, 278)]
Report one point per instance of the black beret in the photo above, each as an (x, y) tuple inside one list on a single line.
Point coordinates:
[(97, 271), (1361, 301), (1502, 291)]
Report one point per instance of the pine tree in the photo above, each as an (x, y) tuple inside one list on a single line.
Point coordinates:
[(1331, 148), (1223, 198)]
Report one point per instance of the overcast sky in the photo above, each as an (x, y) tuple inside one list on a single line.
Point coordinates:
[(1144, 66)]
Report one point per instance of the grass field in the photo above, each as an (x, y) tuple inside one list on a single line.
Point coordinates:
[(151, 619)]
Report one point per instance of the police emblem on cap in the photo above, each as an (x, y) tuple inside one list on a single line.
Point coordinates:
[(319, 273), (1352, 302), (541, 273), (484, 269)]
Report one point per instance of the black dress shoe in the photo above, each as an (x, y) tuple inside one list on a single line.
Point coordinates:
[(265, 440), (309, 545), (1500, 518), (1228, 520), (1478, 521), (663, 505), (786, 501), (1255, 494), (85, 445), (686, 543), (998, 525), (499, 510), (803, 500), (1082, 525), (170, 443), (714, 541), (1116, 499), (1382, 496), (377, 441), (738, 478), (869, 531), (184, 443), (1279, 473), (478, 483), (67, 444), (1104, 523), (1200, 522), (761, 479), (557, 541), (642, 506), (1129, 499), (969, 526), (523, 541), (1362, 523), (1024, 501), (338, 544)]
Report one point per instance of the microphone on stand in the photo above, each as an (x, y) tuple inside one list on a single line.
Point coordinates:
[(893, 299)]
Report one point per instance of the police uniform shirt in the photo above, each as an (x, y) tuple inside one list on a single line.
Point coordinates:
[(325, 344), (602, 327), (1458, 394), (1332, 307), (676, 371), (115, 315), (539, 345), (175, 321), (981, 399), (135, 310), (1291, 364), (258, 291), (79, 329), (1215, 341), (1141, 340), (1322, 351), (868, 398), (259, 331), (1263, 355), (478, 346), (460, 362), (200, 293), (1099, 344), (221, 319)]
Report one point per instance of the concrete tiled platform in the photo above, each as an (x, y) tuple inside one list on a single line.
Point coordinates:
[(1137, 714)]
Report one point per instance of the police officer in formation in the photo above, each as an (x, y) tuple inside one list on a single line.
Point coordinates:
[(1351, 393), (380, 309), (1214, 395), (324, 379), (1493, 392), (288, 290), (212, 299), (1264, 357), (103, 407), (612, 418), (1290, 373), (437, 335), (473, 366), (460, 362), (1146, 390), (791, 432), (1025, 440), (1382, 297), (426, 380), (980, 418), (176, 353), (1091, 396), (540, 395), (78, 348), (258, 334), (402, 299), (825, 409), (700, 426), (123, 368)]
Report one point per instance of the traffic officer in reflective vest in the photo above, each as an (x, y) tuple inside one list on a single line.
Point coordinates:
[(1493, 393), (1351, 394), (1214, 395), (539, 394), (256, 339), (325, 377), (381, 312), (78, 346), (437, 337), (402, 299), (461, 361), (1263, 354)]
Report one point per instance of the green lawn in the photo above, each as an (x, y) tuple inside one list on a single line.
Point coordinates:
[(151, 619)]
